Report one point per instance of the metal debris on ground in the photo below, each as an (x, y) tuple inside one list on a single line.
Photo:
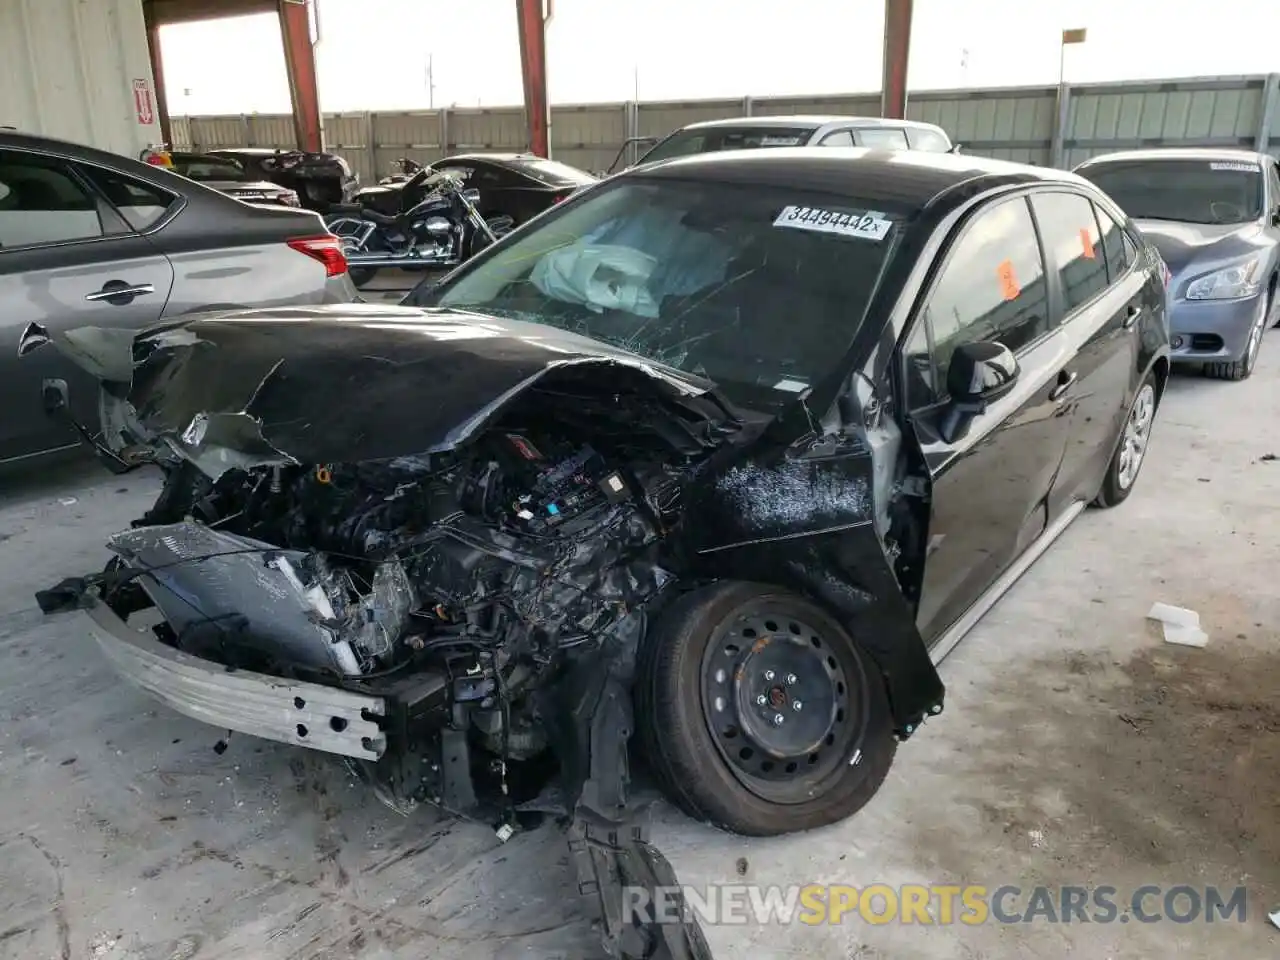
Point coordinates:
[(1274, 917), (1181, 626)]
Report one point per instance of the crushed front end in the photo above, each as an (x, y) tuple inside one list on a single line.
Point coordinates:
[(443, 550)]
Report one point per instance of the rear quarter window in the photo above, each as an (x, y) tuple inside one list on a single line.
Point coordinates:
[(926, 139)]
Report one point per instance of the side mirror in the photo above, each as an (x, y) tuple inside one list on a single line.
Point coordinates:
[(955, 148), (978, 375)]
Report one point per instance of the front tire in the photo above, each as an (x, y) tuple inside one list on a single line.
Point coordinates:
[(1243, 368), (718, 670), (1131, 451)]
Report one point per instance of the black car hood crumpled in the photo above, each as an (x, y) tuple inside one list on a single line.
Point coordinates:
[(357, 382)]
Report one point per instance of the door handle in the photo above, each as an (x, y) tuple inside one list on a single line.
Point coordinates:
[(1065, 379), (1131, 315), (114, 289)]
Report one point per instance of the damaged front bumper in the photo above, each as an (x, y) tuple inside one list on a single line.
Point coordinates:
[(301, 714)]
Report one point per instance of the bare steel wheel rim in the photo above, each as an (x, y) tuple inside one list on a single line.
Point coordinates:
[(785, 706), (1137, 431)]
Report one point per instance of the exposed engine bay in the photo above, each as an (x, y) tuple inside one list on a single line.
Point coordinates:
[(462, 580)]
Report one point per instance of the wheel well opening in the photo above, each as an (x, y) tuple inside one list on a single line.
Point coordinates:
[(1162, 375)]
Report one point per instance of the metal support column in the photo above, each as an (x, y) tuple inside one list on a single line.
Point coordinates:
[(1270, 114), (532, 20), (157, 75), (897, 47), (300, 62)]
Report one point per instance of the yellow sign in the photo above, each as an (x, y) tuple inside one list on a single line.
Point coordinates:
[(1074, 36)]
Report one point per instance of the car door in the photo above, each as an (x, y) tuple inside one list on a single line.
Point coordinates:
[(1101, 310), (990, 484), (69, 257)]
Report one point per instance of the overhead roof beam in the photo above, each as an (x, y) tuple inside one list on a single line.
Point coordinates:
[(164, 12)]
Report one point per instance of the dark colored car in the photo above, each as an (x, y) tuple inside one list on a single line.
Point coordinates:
[(519, 186), (229, 176), (725, 453), (1214, 215), (89, 239), (319, 179)]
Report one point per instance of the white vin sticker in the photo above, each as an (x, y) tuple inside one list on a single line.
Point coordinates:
[(868, 226), (1233, 165)]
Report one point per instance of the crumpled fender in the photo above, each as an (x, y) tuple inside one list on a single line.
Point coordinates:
[(807, 521)]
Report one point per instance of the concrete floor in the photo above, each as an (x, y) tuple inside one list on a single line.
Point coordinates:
[(1076, 749)]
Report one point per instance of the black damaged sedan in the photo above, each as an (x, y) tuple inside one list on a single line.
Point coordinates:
[(707, 467)]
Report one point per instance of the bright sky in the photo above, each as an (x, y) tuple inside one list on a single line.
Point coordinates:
[(374, 54)]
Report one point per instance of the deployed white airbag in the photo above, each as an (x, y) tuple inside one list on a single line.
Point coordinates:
[(599, 277)]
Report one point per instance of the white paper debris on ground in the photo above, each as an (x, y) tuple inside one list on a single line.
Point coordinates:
[(1181, 626), (68, 501), (1274, 917)]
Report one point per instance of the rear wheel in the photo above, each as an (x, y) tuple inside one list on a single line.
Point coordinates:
[(1122, 473), (759, 713)]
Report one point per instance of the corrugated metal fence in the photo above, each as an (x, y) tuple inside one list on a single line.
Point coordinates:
[(1029, 124)]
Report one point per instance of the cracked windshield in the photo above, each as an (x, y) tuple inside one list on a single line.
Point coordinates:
[(739, 285)]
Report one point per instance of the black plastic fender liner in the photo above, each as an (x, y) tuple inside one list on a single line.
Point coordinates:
[(807, 523), (616, 867)]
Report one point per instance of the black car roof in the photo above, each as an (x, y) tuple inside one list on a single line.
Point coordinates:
[(901, 179), (496, 157)]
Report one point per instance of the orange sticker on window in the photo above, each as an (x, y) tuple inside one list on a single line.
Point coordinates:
[(1086, 242), (1009, 288)]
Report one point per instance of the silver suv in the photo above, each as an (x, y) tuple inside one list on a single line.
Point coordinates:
[(92, 239)]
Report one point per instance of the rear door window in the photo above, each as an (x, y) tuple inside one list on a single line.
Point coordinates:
[(1115, 245), (42, 202), (1069, 232), (884, 138)]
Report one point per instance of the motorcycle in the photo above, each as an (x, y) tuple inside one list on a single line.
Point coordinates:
[(437, 226)]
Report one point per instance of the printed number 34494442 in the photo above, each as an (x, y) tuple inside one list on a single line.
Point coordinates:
[(870, 226)]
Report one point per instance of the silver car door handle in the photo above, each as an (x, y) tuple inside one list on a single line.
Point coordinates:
[(1065, 380), (1131, 315), (138, 290)]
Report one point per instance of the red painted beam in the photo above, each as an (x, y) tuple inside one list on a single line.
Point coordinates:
[(157, 74), (300, 62), (897, 49), (532, 22)]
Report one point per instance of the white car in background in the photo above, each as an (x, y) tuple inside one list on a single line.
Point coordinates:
[(748, 133)]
